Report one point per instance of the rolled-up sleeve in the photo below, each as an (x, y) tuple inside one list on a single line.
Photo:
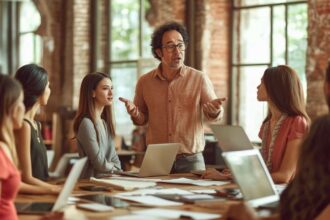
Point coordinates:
[(207, 95)]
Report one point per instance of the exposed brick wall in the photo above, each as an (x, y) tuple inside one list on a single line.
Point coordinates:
[(216, 42), (66, 51), (52, 34), (81, 45), (318, 54), (166, 10), (104, 43)]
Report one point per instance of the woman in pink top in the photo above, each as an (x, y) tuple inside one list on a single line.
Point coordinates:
[(11, 116), (285, 125)]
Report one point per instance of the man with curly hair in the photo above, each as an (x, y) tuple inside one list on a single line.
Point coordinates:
[(173, 99)]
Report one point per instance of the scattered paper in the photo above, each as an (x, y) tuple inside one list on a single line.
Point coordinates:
[(175, 214), (280, 188), (123, 184), (203, 191), (152, 191), (136, 217), (195, 182), (134, 179), (149, 200)]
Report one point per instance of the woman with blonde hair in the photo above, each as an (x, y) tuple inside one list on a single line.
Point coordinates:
[(94, 126)]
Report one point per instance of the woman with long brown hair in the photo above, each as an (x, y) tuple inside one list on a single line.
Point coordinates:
[(285, 125), (308, 194), (94, 125), (11, 116)]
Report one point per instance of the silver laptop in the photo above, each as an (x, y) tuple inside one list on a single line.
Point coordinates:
[(158, 160), (62, 199), (231, 138), (252, 177)]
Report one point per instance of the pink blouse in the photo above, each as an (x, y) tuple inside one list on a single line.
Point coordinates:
[(292, 127), (10, 180)]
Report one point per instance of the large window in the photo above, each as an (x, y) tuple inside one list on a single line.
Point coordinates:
[(30, 43), (265, 33), (19, 43), (130, 54)]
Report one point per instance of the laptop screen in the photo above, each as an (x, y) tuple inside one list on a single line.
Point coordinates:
[(231, 138), (252, 176)]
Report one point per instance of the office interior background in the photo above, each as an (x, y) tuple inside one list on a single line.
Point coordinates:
[(233, 41)]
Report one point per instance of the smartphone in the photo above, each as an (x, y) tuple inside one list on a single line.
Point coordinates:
[(105, 200), (95, 188)]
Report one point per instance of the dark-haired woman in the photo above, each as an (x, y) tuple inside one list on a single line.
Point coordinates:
[(32, 152), (94, 127)]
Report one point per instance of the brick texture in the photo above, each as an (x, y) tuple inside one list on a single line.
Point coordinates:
[(318, 54)]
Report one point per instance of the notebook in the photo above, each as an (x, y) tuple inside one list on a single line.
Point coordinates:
[(252, 177), (158, 160), (61, 201), (231, 138)]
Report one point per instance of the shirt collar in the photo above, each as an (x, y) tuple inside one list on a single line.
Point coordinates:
[(158, 72)]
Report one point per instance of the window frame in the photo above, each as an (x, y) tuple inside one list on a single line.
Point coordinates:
[(234, 117)]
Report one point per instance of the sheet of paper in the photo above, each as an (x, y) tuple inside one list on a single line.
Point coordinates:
[(203, 191), (197, 182), (123, 184), (280, 188), (149, 200), (134, 178), (175, 214), (152, 191), (136, 217)]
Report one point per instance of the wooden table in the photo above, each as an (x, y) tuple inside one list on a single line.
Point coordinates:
[(71, 212)]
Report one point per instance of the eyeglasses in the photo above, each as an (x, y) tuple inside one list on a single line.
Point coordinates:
[(171, 47)]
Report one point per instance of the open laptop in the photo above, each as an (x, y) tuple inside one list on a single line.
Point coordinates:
[(231, 138), (158, 160), (252, 177), (62, 199)]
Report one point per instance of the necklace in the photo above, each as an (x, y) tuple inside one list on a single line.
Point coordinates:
[(268, 155)]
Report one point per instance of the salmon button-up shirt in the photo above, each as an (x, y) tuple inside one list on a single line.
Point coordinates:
[(173, 109)]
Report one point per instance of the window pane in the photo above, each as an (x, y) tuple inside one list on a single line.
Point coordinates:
[(260, 2), (252, 40), (279, 36), (29, 17), (251, 111), (124, 78), (297, 37), (146, 33), (30, 49), (125, 29)]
